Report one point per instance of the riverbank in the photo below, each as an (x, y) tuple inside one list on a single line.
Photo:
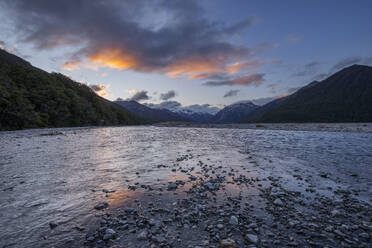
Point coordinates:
[(323, 127)]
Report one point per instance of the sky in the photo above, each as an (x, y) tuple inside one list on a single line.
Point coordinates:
[(205, 53)]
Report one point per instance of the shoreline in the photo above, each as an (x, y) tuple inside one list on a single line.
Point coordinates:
[(317, 127)]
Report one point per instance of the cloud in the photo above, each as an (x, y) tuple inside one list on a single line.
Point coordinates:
[(342, 63), (293, 38), (346, 62), (264, 100), (177, 107), (2, 44), (272, 88), (246, 23), (243, 66), (99, 89), (247, 80), (132, 91), (139, 96), (168, 95), (231, 93), (309, 69), (168, 37)]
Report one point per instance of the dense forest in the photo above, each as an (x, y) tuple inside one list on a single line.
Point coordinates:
[(33, 98)]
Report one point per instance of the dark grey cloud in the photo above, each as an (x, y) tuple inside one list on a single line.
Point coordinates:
[(231, 93), (309, 69), (346, 62), (129, 34), (168, 95), (139, 96), (263, 100), (247, 80), (293, 89), (246, 23), (97, 87), (321, 76)]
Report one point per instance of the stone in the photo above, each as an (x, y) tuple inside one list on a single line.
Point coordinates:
[(101, 205), (142, 235), (278, 202), (129, 210), (209, 186), (53, 225), (220, 226), (233, 220), (252, 238), (364, 236), (227, 243), (90, 238), (172, 186)]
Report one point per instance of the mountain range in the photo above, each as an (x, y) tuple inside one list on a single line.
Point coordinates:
[(345, 96), (32, 98)]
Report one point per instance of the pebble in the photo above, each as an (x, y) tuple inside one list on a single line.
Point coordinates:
[(53, 225), (101, 205), (233, 220), (252, 238), (227, 243), (278, 202), (172, 186), (142, 235)]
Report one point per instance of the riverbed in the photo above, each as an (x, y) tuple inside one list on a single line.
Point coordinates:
[(150, 186)]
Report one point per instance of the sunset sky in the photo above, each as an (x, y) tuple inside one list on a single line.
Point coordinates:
[(192, 52)]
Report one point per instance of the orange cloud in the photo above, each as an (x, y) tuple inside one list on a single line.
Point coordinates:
[(192, 67), (72, 65), (243, 66), (99, 89), (195, 67), (114, 58)]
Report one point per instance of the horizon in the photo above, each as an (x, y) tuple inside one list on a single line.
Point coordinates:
[(223, 59)]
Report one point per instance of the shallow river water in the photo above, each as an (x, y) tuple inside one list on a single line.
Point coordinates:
[(59, 178)]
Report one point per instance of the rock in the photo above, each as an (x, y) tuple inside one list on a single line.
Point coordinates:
[(172, 186), (227, 243), (278, 202), (233, 220), (110, 231), (220, 226), (209, 186), (335, 212), (109, 234), (101, 205), (90, 238), (252, 238), (339, 233), (142, 235), (364, 236), (130, 210), (53, 225), (193, 178)]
